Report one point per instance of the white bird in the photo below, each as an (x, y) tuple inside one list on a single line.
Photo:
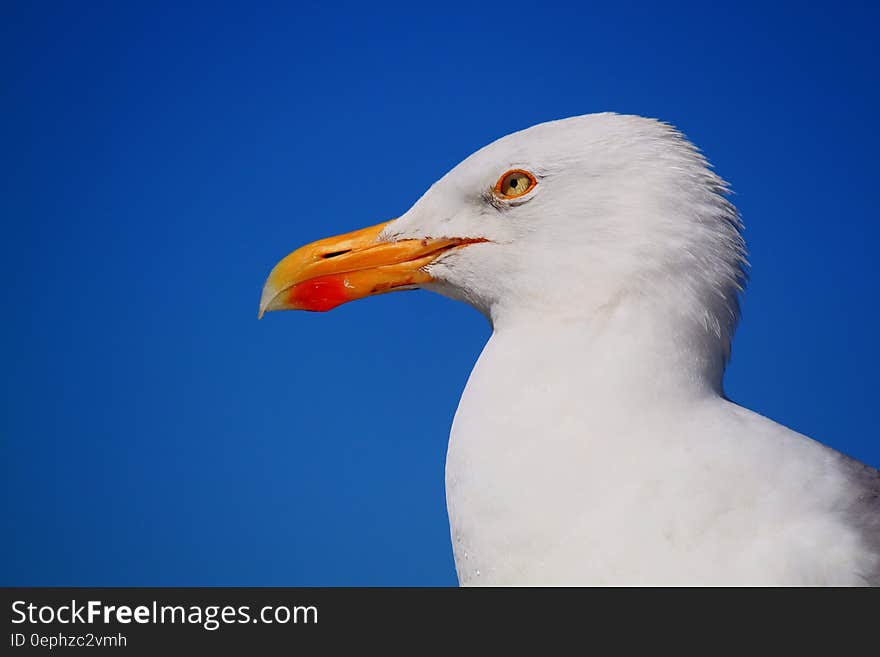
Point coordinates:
[(593, 444)]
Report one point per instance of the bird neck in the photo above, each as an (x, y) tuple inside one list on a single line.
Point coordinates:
[(634, 351)]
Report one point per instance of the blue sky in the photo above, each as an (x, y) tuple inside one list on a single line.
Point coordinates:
[(159, 160)]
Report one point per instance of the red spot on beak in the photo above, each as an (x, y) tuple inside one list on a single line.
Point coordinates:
[(319, 294)]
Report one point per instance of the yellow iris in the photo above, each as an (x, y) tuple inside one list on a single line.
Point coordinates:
[(515, 183)]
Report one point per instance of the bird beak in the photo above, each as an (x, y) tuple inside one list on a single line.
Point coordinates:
[(324, 274)]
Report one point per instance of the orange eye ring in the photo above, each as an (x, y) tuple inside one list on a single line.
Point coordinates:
[(515, 183)]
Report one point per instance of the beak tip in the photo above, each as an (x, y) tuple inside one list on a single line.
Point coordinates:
[(266, 299)]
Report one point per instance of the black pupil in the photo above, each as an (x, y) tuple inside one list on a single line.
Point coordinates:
[(514, 182)]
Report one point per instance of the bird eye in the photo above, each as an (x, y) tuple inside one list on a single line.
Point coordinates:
[(515, 183)]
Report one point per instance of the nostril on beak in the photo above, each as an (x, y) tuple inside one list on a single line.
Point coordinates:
[(333, 254)]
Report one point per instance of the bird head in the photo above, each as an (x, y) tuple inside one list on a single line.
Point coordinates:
[(564, 218)]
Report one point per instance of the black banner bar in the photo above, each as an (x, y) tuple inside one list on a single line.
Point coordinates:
[(197, 621)]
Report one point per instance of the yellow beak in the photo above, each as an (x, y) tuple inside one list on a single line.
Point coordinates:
[(324, 274)]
